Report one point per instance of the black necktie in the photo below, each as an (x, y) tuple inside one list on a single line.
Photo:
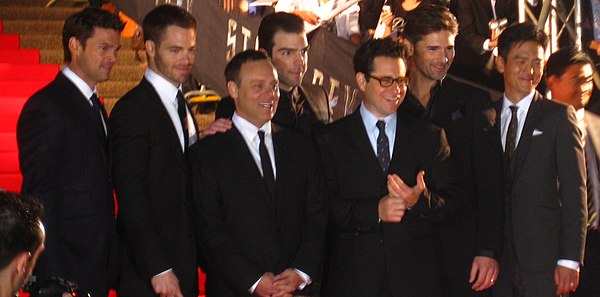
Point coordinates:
[(383, 147), (511, 135), (265, 162), (181, 111), (100, 111), (593, 183)]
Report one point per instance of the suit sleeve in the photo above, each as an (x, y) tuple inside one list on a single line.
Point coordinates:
[(131, 145), (222, 256), (572, 176), (40, 134), (310, 253), (442, 194), (489, 187), (469, 36)]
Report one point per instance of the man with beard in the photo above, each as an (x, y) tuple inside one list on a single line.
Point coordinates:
[(63, 152), (302, 106), (389, 180), (471, 240), (152, 130)]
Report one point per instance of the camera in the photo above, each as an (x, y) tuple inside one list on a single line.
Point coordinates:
[(54, 287)]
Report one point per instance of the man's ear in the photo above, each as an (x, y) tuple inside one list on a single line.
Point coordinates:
[(551, 81), (264, 51), (74, 45), (150, 48), (232, 89), (21, 261), (500, 63), (361, 81)]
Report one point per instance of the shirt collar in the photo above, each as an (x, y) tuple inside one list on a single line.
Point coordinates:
[(247, 129), (83, 87), (163, 87), (370, 119), (523, 104)]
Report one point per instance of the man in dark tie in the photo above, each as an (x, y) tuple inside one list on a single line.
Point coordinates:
[(258, 194), (471, 241), (544, 175), (569, 72), (302, 105), (152, 130), (63, 152), (389, 180)]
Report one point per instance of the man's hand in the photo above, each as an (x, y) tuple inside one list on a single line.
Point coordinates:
[(265, 286), (391, 209), (566, 280), (484, 273), (307, 16), (166, 285), (218, 126), (410, 195), (287, 282)]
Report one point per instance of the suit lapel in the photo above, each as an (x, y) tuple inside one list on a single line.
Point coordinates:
[(403, 137), (533, 117), (156, 103), (86, 115), (283, 157), (360, 139), (497, 134), (593, 130)]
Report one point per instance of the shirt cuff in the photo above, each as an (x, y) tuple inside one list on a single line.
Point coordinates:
[(568, 264), (486, 45), (168, 270), (305, 278), (251, 290)]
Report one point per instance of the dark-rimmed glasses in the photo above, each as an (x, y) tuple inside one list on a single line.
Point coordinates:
[(387, 81)]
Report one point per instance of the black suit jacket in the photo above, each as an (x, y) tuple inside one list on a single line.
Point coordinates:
[(468, 118), (65, 163), (151, 182), (242, 231), (365, 254), (546, 192)]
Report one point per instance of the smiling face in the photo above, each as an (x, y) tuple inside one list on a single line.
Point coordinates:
[(574, 86), (257, 93), (433, 55), (522, 69), (93, 61), (174, 57), (383, 101), (290, 57)]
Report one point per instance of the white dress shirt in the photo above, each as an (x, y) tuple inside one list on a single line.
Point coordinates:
[(370, 121), (84, 88), (168, 95), (506, 115)]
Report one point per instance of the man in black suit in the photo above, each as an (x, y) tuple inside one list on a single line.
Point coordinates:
[(475, 43), (544, 175), (389, 180), (471, 241), (569, 72), (63, 151), (258, 194), (302, 105), (152, 129)]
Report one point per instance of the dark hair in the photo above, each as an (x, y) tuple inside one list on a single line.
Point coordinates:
[(428, 18), (81, 25), (564, 57), (275, 22), (20, 218), (364, 56), (232, 70), (158, 19), (518, 34)]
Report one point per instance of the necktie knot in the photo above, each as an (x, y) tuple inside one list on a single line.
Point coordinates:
[(513, 110), (261, 135), (381, 126), (95, 101)]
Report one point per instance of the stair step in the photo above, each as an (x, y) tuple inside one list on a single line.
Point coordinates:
[(10, 71), (33, 26), (41, 3), (19, 56), (37, 13), (9, 41), (113, 88), (56, 56)]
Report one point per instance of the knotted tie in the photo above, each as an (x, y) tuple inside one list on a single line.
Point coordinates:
[(265, 162), (511, 135), (383, 147), (181, 111)]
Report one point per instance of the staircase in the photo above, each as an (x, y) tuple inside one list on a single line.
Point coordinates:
[(30, 56)]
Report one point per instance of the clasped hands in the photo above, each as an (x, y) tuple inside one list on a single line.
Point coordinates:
[(400, 196), (281, 285)]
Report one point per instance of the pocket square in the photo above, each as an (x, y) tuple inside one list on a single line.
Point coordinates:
[(537, 132)]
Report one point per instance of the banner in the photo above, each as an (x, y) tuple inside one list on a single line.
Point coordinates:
[(225, 28)]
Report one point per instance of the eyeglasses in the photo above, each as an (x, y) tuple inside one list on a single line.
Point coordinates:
[(387, 82)]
